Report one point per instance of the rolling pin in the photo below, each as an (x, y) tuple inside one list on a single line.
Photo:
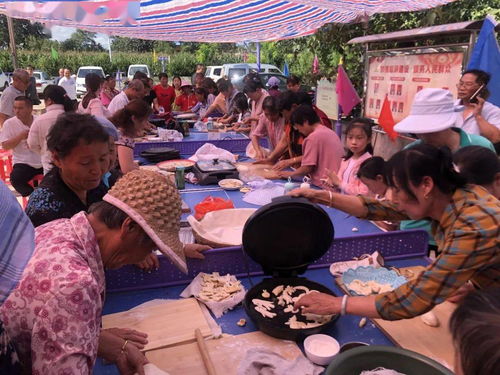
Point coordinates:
[(204, 352)]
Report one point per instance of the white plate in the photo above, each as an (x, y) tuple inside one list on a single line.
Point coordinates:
[(230, 184)]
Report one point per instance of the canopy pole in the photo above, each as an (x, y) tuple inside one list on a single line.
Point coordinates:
[(258, 56), (13, 51)]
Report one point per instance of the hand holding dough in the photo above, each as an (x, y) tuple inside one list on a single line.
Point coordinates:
[(430, 319)]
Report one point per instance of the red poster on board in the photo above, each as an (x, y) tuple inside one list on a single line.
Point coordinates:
[(403, 76)]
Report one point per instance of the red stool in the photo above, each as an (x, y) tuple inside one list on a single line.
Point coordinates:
[(35, 181), (5, 165)]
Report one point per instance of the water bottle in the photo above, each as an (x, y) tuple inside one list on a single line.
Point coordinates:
[(210, 124), (179, 178)]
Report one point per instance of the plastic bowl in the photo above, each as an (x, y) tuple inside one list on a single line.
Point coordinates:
[(356, 360), (321, 349)]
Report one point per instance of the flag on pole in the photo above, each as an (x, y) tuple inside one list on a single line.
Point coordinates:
[(286, 70), (54, 53), (346, 93), (486, 56), (385, 119), (315, 69)]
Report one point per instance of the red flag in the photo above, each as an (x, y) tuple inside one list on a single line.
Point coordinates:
[(346, 93), (315, 65), (386, 120)]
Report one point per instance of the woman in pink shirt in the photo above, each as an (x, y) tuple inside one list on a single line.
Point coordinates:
[(108, 91), (257, 95), (359, 149), (91, 104), (271, 125), (322, 149)]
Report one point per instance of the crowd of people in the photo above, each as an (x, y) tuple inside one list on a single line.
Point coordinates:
[(95, 209)]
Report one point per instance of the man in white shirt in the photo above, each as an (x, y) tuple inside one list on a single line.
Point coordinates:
[(27, 164), (69, 84), (20, 82), (134, 90), (479, 117)]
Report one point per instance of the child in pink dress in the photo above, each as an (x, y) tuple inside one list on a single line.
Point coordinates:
[(359, 149)]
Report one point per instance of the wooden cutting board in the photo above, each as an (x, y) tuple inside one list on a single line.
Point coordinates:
[(226, 354), (166, 324), (414, 334), (263, 170)]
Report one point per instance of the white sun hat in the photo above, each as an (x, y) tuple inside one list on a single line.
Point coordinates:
[(432, 110)]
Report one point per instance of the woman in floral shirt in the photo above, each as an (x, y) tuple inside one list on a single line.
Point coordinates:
[(54, 315)]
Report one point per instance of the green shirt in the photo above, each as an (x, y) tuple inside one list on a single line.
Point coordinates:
[(466, 139)]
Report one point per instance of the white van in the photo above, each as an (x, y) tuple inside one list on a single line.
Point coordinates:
[(80, 77), (132, 69), (214, 72)]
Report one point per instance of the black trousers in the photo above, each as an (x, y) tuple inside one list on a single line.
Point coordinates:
[(20, 176)]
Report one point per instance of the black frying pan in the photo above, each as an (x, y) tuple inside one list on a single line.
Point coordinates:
[(276, 326)]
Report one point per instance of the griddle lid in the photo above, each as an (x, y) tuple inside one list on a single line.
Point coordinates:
[(286, 235)]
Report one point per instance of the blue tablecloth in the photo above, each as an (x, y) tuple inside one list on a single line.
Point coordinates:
[(345, 329)]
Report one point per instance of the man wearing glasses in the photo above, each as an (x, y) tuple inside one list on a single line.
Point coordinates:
[(479, 116)]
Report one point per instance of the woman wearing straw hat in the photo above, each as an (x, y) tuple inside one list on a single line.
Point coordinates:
[(54, 314)]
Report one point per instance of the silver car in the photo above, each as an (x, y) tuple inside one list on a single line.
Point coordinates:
[(42, 80)]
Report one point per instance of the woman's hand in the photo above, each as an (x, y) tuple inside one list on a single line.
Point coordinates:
[(332, 179), (282, 164), (263, 161), (311, 194), (136, 338), (318, 303), (259, 154), (131, 361), (194, 250), (149, 263)]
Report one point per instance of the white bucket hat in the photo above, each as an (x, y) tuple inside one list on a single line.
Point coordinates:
[(432, 110)]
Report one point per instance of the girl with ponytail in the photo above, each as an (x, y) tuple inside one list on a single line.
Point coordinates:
[(424, 184), (91, 103), (131, 122), (56, 102)]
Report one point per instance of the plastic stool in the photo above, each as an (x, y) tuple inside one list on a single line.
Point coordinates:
[(35, 181), (5, 165)]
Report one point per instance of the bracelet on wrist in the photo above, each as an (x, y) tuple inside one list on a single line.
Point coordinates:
[(343, 306)]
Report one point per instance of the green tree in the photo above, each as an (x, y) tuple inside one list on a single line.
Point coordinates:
[(122, 44), (23, 30), (81, 40)]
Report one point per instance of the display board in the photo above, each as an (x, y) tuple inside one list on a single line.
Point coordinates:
[(326, 98), (402, 76)]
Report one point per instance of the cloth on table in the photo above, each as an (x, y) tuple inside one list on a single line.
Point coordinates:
[(259, 361), (263, 192), (218, 308), (209, 152), (224, 227)]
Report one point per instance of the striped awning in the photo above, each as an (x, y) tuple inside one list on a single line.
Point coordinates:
[(206, 20)]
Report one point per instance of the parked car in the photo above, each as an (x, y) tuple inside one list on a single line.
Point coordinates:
[(214, 72), (80, 77), (132, 69), (42, 80), (234, 71), (4, 80)]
